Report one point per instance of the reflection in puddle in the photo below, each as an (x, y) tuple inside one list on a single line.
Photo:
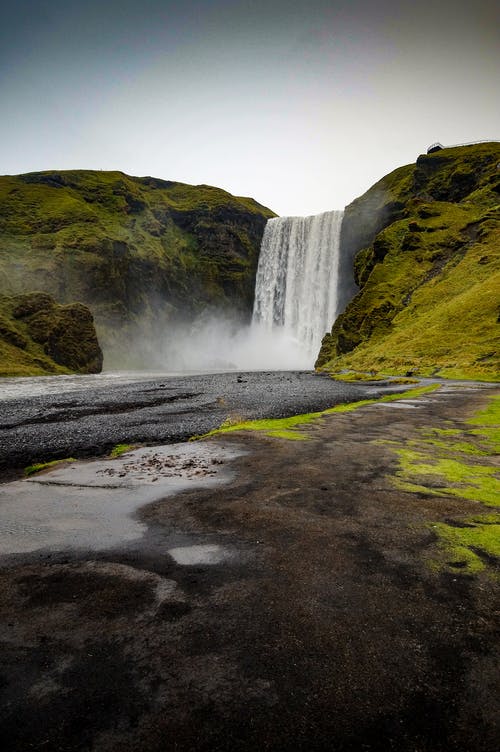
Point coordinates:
[(201, 554), (401, 405)]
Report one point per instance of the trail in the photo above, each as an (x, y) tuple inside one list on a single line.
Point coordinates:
[(291, 607)]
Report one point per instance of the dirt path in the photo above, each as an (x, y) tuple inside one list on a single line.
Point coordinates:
[(297, 611)]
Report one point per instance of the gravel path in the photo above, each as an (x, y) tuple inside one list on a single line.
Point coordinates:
[(88, 417)]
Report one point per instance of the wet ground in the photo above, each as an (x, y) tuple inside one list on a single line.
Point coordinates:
[(51, 418), (92, 505), (285, 605)]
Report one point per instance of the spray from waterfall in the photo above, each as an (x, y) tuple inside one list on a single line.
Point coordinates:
[(296, 300), (296, 289)]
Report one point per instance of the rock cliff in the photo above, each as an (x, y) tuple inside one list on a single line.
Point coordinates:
[(139, 252), (39, 337), (425, 246)]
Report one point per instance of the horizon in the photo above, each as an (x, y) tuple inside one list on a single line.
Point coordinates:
[(302, 109)]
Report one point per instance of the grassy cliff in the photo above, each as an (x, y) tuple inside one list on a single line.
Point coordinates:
[(425, 244), (140, 252), (40, 337)]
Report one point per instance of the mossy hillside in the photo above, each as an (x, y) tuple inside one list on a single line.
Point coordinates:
[(40, 337), (429, 278), (133, 249), (459, 463)]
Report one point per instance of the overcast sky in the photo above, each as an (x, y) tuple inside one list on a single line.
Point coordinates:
[(301, 105)]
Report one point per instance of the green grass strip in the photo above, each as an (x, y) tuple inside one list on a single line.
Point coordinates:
[(446, 462), (39, 466), (288, 428), (120, 449)]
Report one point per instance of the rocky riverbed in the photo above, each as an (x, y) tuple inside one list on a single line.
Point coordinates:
[(45, 419)]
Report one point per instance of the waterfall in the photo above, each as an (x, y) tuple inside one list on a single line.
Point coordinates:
[(297, 280)]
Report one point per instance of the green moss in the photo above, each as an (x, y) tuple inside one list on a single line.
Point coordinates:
[(462, 447), (289, 428), (488, 425), (490, 416), (39, 466), (469, 547), (120, 449), (446, 467), (449, 477), (429, 269), (40, 337)]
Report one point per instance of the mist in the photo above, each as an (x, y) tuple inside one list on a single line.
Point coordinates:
[(217, 343)]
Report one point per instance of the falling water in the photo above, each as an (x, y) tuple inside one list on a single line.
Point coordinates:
[(297, 280)]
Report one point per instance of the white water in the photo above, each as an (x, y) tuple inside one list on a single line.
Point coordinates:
[(296, 288), (296, 298)]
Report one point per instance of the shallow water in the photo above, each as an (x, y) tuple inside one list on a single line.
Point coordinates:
[(93, 505), (33, 386), (204, 553)]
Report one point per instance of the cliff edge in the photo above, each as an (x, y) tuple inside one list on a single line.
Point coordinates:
[(425, 245)]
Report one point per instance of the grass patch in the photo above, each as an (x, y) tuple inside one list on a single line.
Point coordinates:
[(120, 449), (488, 424), (454, 462), (358, 376), (470, 547), (354, 376), (449, 477), (289, 428), (37, 467)]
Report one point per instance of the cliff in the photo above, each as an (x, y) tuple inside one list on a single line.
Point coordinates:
[(141, 253), (40, 337), (425, 246)]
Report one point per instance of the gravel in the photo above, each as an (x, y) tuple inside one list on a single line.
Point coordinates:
[(86, 417)]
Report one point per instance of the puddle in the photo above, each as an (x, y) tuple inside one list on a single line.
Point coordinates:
[(401, 405), (93, 505), (200, 554), (164, 465)]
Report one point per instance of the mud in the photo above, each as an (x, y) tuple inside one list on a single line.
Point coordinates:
[(322, 629)]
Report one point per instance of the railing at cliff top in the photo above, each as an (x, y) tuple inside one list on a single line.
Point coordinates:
[(438, 145)]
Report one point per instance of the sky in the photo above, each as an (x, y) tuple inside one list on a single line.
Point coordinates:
[(301, 105)]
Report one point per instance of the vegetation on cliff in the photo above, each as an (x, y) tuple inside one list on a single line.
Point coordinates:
[(135, 250), (425, 244), (40, 337)]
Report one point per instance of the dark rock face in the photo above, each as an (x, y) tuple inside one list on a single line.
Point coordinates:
[(363, 220), (49, 335), (72, 340)]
